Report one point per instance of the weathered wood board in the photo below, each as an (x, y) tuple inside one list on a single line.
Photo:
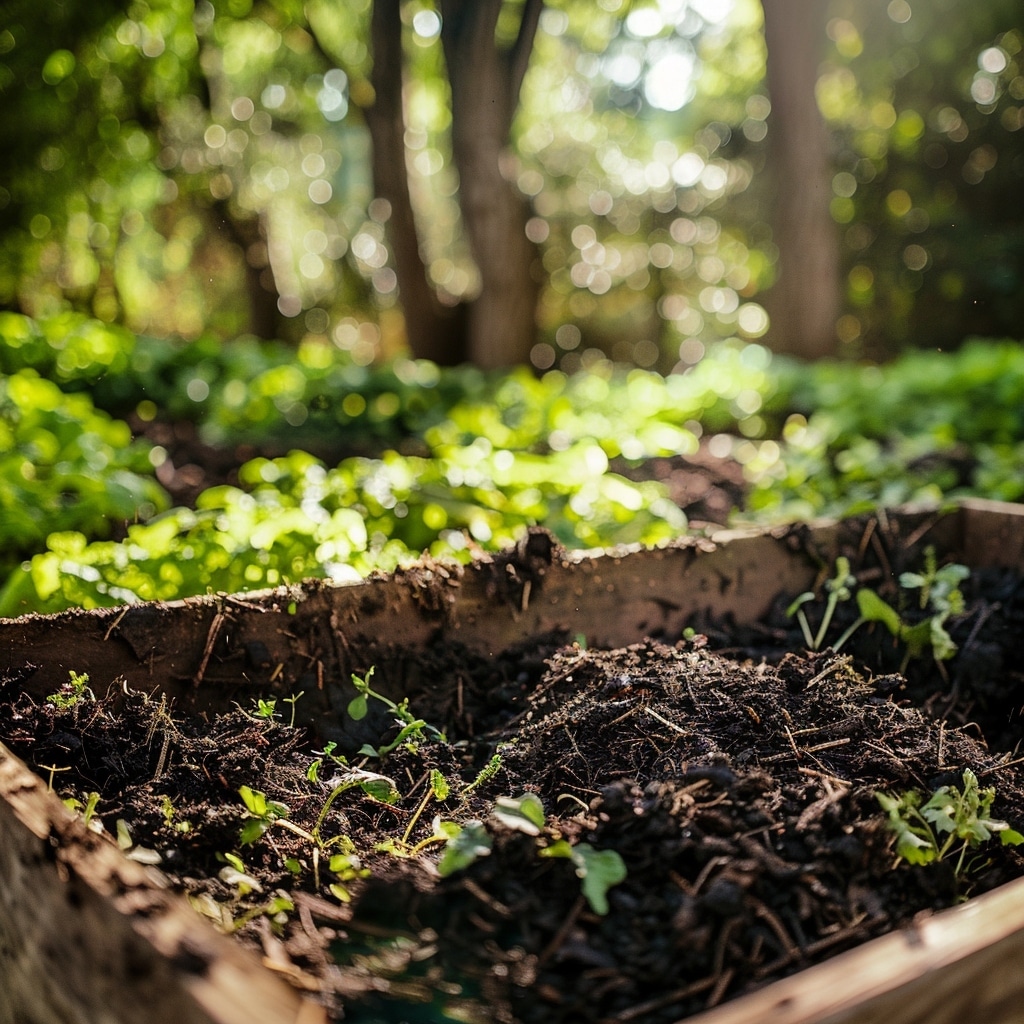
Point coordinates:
[(88, 936)]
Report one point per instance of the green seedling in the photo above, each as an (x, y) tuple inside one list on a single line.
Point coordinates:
[(265, 708), (412, 729), (346, 866), (464, 846), (940, 594), (293, 700), (86, 809), (523, 814), (598, 870), (263, 813), (170, 812), (277, 908), (234, 874), (951, 822), (313, 771), (838, 589), (72, 693), (940, 587), (488, 772)]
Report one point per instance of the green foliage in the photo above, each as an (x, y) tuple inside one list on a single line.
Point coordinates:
[(496, 454), (465, 846), (72, 693), (951, 822), (301, 520), (65, 466), (926, 122), (521, 814), (598, 870), (171, 152), (940, 597), (412, 730), (262, 814), (86, 809), (838, 589)]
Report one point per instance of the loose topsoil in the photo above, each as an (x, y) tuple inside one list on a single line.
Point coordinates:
[(734, 773)]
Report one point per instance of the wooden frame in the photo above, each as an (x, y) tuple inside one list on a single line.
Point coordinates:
[(86, 935)]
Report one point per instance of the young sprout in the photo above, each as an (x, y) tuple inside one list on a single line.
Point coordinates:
[(950, 822), (838, 589), (412, 729)]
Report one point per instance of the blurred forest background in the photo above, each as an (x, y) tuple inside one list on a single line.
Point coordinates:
[(557, 182)]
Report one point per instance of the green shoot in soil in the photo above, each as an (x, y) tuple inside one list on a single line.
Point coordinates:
[(950, 823), (838, 589), (598, 870), (72, 692), (412, 729), (939, 595)]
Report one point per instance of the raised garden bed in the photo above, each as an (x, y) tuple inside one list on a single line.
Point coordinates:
[(658, 703)]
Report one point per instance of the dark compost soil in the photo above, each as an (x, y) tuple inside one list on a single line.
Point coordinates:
[(734, 773)]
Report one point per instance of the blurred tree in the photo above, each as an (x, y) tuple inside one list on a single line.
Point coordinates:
[(803, 302), (485, 73), (486, 77), (308, 169), (925, 104)]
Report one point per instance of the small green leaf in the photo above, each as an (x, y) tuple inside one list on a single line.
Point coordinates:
[(446, 829), (252, 830), (255, 801), (873, 609), (439, 785), (381, 789), (235, 861), (1010, 837), (524, 814), (470, 843), (357, 708), (559, 848), (600, 870), (943, 647)]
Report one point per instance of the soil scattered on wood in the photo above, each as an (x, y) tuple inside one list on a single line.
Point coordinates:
[(738, 788)]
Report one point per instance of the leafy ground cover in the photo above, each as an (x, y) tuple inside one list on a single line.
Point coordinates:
[(625, 835), (282, 465)]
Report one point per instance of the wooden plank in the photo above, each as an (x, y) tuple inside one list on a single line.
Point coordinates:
[(993, 533), (213, 652), (89, 937), (958, 966)]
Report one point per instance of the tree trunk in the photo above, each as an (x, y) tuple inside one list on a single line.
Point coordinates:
[(248, 234), (485, 82), (804, 301), (432, 331)]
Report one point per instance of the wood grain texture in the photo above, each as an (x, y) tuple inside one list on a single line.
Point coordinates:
[(213, 652), (88, 937), (957, 967)]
